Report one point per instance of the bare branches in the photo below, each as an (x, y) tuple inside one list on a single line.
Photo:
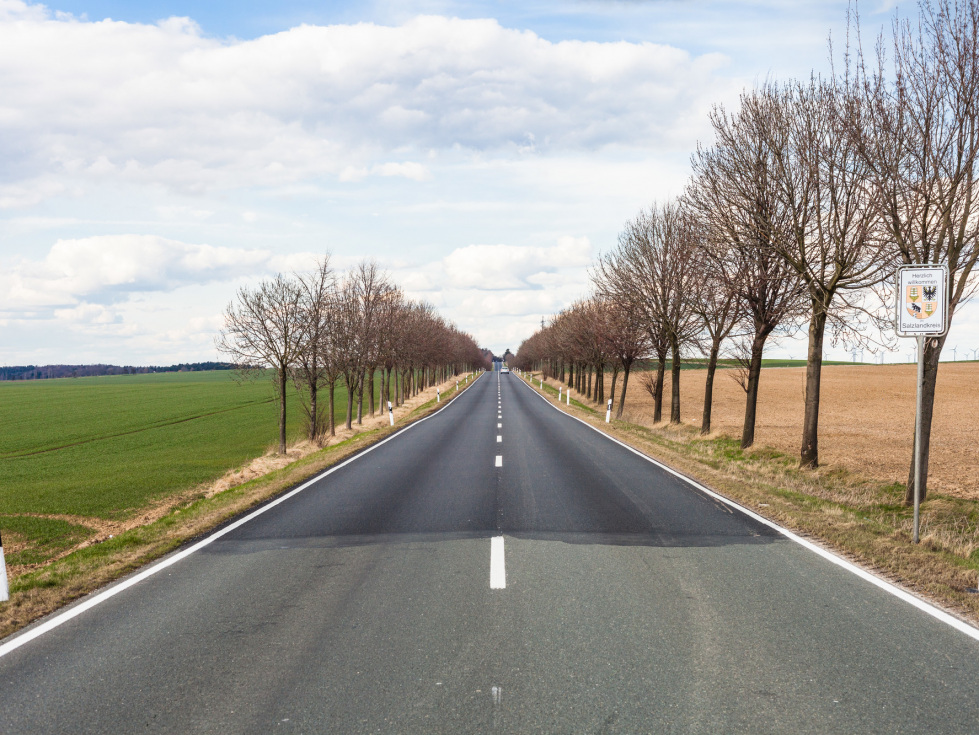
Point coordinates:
[(317, 329), (265, 329)]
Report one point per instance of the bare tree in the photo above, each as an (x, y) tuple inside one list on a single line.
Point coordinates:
[(832, 239), (717, 305), (263, 329), (735, 197), (312, 361), (919, 136), (654, 270)]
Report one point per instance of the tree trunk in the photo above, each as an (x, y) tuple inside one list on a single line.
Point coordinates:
[(615, 377), (932, 354), (675, 383), (751, 405), (658, 393), (370, 391), (809, 455), (314, 428), (360, 398), (350, 400), (333, 425), (715, 349), (626, 367), (282, 410)]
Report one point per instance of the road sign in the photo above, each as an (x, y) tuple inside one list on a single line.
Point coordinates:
[(921, 308), (920, 311)]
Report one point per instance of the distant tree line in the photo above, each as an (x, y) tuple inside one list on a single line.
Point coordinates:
[(796, 216), (322, 330), (42, 372)]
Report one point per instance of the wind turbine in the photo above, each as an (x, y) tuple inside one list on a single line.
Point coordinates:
[(953, 353)]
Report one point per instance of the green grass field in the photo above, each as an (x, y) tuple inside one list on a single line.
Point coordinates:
[(105, 447)]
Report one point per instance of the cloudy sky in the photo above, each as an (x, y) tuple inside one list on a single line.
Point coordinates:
[(158, 155)]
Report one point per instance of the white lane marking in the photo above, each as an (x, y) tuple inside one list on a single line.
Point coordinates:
[(925, 607), (497, 563), (499, 438), (497, 696), (499, 460), (499, 426), (98, 598)]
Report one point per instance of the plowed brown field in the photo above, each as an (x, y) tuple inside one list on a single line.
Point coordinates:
[(866, 418)]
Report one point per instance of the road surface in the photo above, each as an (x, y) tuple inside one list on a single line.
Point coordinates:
[(498, 567)]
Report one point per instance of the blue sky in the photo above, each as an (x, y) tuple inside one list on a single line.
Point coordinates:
[(483, 152)]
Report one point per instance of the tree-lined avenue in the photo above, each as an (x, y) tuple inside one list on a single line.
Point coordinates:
[(430, 587)]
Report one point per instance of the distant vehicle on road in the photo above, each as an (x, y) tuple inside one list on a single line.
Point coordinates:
[(504, 369)]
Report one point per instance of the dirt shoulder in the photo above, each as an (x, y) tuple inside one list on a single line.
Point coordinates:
[(859, 518), (120, 547)]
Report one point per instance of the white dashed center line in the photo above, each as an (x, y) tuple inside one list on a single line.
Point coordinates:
[(497, 563), (499, 426), (499, 460), (499, 438)]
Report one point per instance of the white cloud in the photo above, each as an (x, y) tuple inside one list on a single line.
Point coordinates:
[(109, 268), (501, 267), (164, 104)]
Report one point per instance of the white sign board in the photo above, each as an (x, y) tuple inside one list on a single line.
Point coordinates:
[(922, 300)]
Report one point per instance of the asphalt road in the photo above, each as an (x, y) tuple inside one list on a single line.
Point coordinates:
[(377, 601)]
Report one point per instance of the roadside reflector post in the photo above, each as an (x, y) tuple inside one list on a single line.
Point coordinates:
[(438, 395), (560, 389), (4, 590), (920, 311), (608, 411), (391, 413)]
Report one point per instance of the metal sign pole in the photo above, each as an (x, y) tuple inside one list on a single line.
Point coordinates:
[(917, 435)]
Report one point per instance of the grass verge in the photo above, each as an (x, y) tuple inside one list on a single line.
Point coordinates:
[(860, 519), (43, 590)]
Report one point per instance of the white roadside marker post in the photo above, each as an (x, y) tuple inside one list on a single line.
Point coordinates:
[(559, 390), (608, 411), (391, 413), (438, 395), (4, 590)]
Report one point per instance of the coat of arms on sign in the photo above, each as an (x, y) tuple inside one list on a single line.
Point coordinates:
[(920, 301)]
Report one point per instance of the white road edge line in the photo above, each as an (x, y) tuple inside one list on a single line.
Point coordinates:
[(169, 561), (497, 564), (926, 607)]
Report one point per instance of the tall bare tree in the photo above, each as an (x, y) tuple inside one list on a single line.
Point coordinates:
[(717, 305), (317, 290), (833, 242), (919, 137), (263, 330), (654, 269), (735, 196)]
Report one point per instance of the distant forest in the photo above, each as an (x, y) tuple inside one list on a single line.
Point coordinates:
[(41, 372)]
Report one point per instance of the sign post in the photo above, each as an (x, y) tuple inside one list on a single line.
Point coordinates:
[(608, 411), (921, 311)]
